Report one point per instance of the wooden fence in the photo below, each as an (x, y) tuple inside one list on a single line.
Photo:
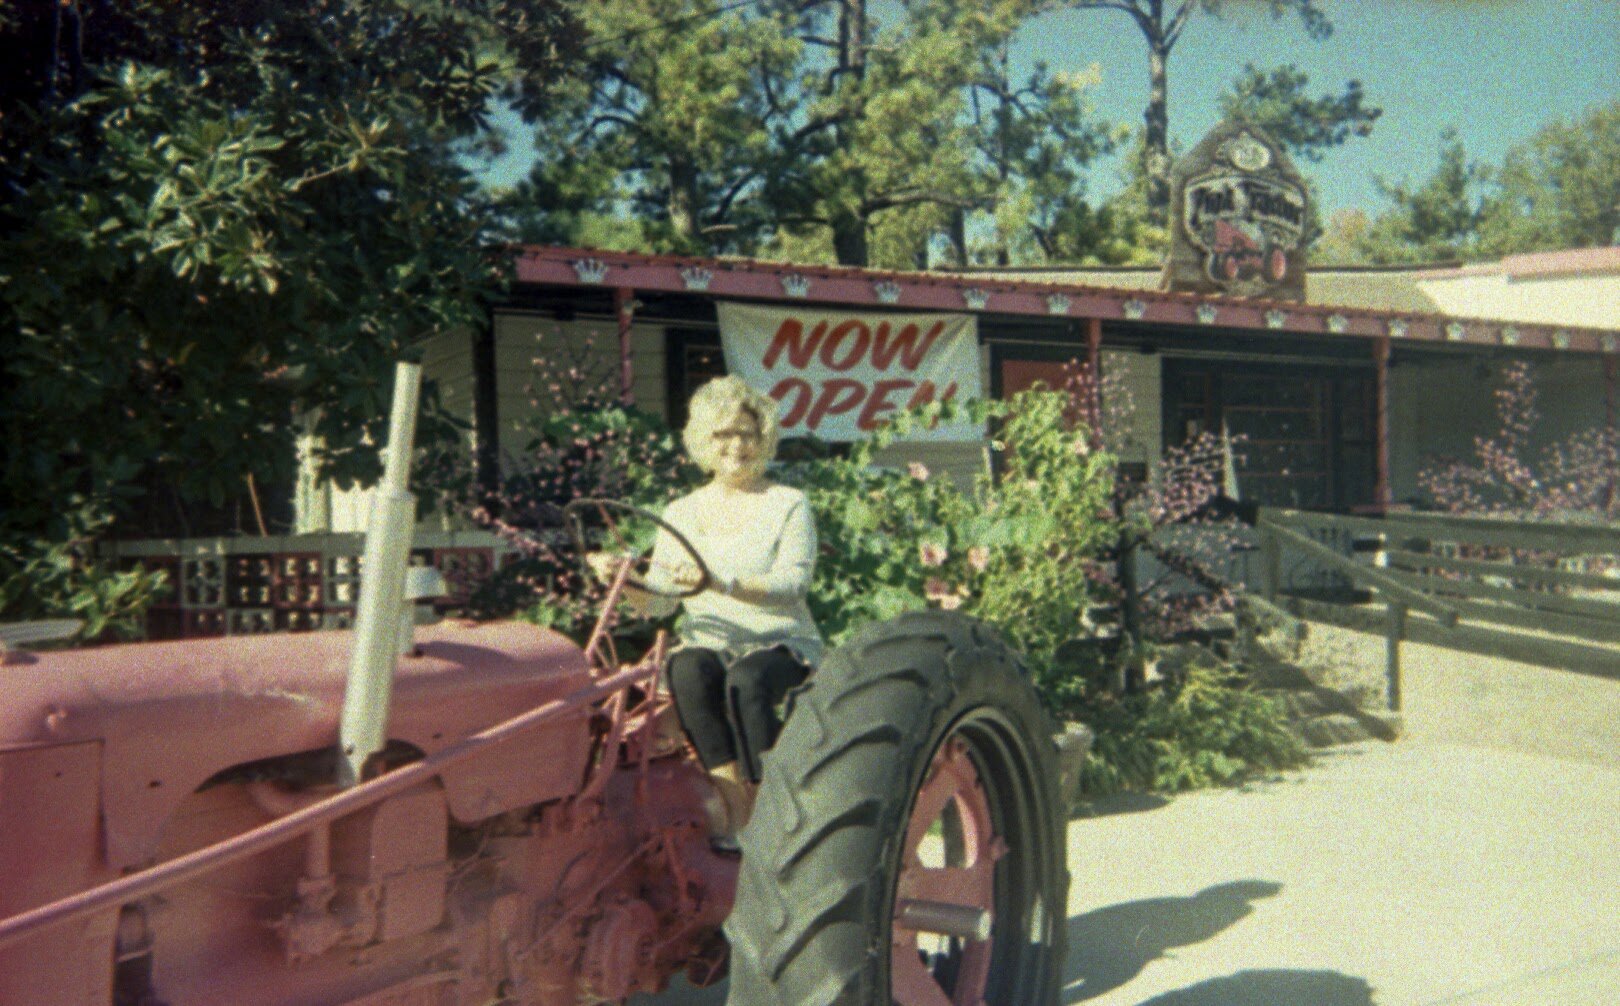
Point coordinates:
[(292, 583), (1538, 593)]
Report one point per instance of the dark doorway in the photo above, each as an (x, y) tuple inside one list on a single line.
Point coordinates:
[(1306, 437)]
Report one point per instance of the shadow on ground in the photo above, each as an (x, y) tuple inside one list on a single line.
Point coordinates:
[(1119, 803), (1110, 946), (1272, 988)]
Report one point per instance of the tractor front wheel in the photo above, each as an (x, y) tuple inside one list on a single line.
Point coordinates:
[(907, 846)]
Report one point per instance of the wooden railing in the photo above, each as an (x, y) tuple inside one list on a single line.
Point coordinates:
[(1538, 593)]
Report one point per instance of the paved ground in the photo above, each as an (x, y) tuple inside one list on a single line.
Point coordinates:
[(1474, 862), (1406, 874)]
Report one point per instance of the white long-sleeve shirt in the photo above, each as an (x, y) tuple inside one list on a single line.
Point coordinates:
[(769, 537)]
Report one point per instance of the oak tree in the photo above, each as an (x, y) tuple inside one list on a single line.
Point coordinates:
[(220, 216)]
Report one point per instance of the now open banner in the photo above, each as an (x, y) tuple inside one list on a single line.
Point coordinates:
[(838, 375)]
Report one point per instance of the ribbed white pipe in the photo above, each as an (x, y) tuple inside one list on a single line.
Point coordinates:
[(369, 692)]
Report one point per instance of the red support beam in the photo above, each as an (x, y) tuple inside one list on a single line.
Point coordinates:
[(624, 306)]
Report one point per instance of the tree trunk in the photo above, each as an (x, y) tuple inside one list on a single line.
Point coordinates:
[(682, 204), (1156, 146), (959, 248), (849, 238), (849, 228)]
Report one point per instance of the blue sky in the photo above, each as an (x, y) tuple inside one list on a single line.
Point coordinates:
[(1496, 70)]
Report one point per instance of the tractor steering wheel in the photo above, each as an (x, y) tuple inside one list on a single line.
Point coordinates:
[(608, 517)]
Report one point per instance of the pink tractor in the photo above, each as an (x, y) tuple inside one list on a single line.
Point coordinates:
[(489, 814)]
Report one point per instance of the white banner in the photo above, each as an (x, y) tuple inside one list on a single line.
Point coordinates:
[(839, 374)]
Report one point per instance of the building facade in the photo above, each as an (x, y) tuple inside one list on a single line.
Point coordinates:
[(1338, 402)]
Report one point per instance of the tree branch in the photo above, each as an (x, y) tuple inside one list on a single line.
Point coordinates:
[(1177, 23), (609, 118), (1143, 20), (1128, 8), (817, 124), (889, 201), (723, 206)]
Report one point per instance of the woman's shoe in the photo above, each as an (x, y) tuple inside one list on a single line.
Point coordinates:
[(728, 805)]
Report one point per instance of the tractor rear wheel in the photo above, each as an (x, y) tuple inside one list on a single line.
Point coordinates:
[(907, 845)]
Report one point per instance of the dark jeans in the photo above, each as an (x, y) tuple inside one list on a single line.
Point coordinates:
[(730, 713)]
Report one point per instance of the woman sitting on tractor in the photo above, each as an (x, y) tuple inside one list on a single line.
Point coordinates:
[(748, 638)]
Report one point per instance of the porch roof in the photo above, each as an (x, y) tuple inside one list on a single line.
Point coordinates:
[(1045, 294)]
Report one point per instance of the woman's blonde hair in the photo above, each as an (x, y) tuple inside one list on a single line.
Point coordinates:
[(716, 402)]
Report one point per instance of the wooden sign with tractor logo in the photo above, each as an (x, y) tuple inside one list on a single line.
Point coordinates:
[(1239, 212)]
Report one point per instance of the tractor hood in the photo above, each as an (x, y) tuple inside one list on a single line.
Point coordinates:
[(171, 715)]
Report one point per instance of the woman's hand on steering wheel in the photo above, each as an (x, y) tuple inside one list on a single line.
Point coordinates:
[(676, 577), (682, 576)]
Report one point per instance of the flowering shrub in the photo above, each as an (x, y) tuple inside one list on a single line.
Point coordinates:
[(1171, 518), (886, 536), (1576, 476), (587, 443), (1008, 550), (1028, 551)]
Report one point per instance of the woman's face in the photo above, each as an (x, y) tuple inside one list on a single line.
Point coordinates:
[(737, 449)]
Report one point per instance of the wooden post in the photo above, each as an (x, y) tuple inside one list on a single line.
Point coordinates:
[(1270, 564), (1611, 387), (624, 306), (1611, 396), (1130, 613), (1381, 491), (1395, 629)]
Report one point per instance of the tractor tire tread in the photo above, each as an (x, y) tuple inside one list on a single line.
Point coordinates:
[(839, 802)]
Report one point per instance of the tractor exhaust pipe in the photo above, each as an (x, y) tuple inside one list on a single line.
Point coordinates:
[(369, 692)]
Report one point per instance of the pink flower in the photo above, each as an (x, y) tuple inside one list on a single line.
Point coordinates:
[(918, 471), (940, 593), (978, 557), (932, 554)]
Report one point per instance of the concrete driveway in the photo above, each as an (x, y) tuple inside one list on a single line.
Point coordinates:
[(1411, 874), (1475, 862)]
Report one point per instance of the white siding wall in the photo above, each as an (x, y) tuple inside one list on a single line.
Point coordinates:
[(320, 507), (1571, 396), (523, 338), (1142, 379)]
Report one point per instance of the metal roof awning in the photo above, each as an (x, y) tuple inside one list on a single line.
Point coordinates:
[(1034, 297)]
